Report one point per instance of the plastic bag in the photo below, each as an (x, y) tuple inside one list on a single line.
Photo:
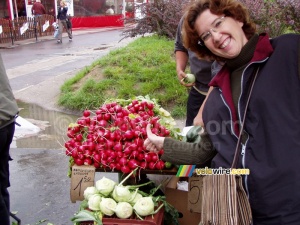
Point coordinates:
[(55, 25), (56, 33)]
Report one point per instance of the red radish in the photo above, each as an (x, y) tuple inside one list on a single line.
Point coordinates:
[(114, 136), (123, 161), (134, 154), (127, 151), (141, 157), (79, 137), (143, 165), (118, 146), (112, 166), (160, 165), (106, 116), (125, 169), (154, 158), (120, 154), (88, 153), (68, 152), (78, 162), (148, 158), (129, 134), (102, 123), (70, 133), (87, 161), (151, 165), (132, 164), (97, 164), (97, 158), (86, 113)]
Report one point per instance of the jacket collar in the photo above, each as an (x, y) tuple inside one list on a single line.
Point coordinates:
[(262, 51)]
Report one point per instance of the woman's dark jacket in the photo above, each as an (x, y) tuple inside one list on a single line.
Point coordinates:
[(62, 13), (272, 148)]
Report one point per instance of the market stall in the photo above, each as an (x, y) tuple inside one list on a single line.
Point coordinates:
[(111, 139)]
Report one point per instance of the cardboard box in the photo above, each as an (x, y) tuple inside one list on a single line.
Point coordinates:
[(179, 199)]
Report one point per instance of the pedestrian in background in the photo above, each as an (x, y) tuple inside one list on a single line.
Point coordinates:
[(202, 71), (110, 10), (38, 9), (8, 112), (62, 21)]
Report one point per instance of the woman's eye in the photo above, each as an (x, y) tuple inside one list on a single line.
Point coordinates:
[(205, 36), (218, 23)]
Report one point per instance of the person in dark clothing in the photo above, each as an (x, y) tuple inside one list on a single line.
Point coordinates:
[(38, 9), (62, 21), (222, 30), (8, 112), (202, 71)]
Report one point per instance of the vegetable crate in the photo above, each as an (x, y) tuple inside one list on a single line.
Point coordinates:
[(156, 219)]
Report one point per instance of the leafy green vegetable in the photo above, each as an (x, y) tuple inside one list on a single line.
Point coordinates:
[(84, 216), (193, 134)]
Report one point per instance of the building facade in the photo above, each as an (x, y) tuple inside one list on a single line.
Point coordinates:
[(11, 9)]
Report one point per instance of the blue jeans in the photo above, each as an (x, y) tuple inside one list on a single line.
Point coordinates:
[(36, 17), (6, 137)]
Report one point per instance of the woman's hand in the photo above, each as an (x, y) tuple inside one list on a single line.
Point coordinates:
[(153, 143)]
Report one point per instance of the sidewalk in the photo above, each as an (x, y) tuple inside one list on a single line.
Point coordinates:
[(75, 32)]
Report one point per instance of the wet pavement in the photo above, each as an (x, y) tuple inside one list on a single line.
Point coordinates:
[(40, 187), (47, 130)]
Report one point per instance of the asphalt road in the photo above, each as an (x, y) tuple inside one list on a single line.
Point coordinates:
[(40, 188), (39, 68)]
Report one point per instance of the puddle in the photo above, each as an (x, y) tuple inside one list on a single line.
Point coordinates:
[(50, 126)]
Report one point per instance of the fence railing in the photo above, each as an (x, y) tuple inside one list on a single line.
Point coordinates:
[(25, 28)]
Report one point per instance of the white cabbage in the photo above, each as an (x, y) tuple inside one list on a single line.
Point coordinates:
[(144, 206), (134, 197), (105, 186), (124, 210), (94, 202), (121, 193), (108, 206), (90, 191)]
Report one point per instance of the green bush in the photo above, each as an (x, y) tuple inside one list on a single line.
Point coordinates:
[(161, 17)]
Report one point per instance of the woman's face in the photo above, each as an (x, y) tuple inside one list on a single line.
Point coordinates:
[(223, 36), (62, 3)]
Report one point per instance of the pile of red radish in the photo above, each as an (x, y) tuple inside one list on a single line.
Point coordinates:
[(112, 137)]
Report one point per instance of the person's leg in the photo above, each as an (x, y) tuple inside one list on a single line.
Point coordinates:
[(6, 136), (68, 30), (194, 103)]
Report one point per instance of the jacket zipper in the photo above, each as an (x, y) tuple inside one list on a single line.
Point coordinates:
[(239, 113), (244, 166), (231, 124)]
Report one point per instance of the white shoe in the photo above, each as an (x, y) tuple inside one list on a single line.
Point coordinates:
[(58, 41)]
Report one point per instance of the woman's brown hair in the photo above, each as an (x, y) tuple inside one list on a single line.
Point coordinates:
[(229, 8)]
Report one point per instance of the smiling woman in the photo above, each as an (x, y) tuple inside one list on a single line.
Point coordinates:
[(221, 35), (271, 129), (194, 29)]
